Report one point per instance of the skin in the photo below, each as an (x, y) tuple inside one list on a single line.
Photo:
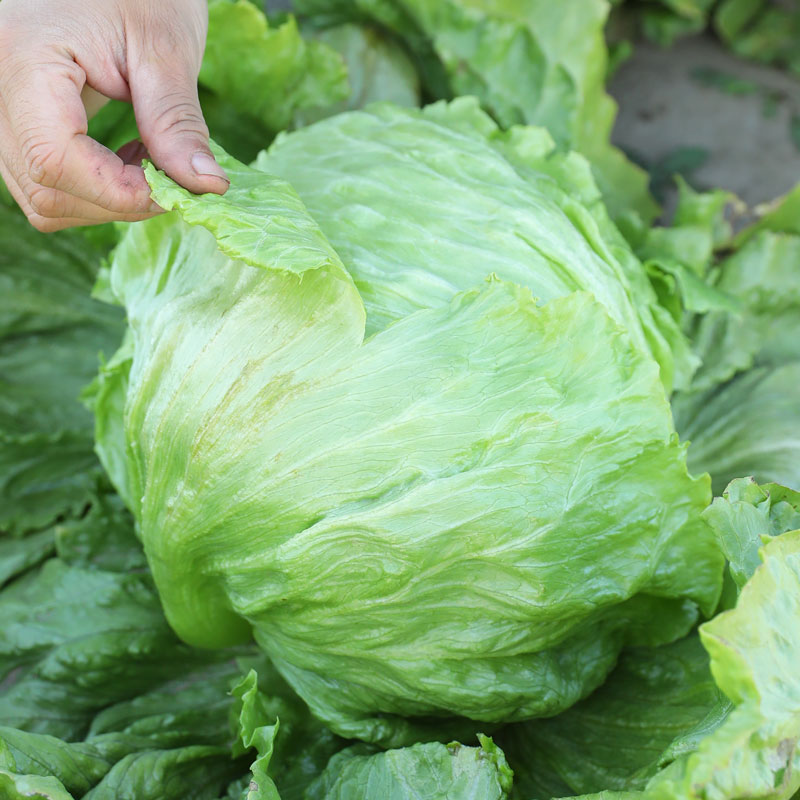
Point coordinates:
[(59, 61)]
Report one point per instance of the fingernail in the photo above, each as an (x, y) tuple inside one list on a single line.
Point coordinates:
[(204, 164)]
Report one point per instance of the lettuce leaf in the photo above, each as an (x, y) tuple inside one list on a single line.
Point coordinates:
[(75, 640), (746, 427), (666, 20), (476, 201), (679, 723), (421, 772), (275, 71), (748, 515), (657, 703), (99, 699), (755, 752), (27, 787), (741, 411), (51, 335), (762, 31), (378, 69), (529, 62), (292, 747), (172, 740)]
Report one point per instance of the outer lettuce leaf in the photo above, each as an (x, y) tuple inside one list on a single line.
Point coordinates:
[(167, 775), (754, 751), (747, 427), (292, 747), (678, 257), (528, 61), (431, 771), (85, 630), (44, 476), (176, 741), (763, 31), (263, 223), (516, 214), (46, 280), (753, 651), (665, 21), (75, 640), (194, 771), (70, 646), (103, 538), (742, 411), (332, 554), (76, 767), (616, 739), (100, 770), (748, 515), (105, 396), (762, 276), (616, 745), (378, 69), (269, 73), (760, 30), (51, 333), (18, 555), (780, 216), (257, 79), (79, 638), (31, 787), (254, 733), (575, 191)]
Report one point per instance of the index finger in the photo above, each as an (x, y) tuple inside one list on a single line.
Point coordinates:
[(47, 124)]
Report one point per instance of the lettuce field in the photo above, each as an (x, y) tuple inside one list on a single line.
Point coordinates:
[(431, 461)]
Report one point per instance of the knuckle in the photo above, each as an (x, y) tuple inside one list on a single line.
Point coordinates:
[(165, 41), (43, 162), (45, 202), (172, 31), (180, 116)]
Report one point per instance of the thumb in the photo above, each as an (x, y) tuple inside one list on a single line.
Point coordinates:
[(172, 127)]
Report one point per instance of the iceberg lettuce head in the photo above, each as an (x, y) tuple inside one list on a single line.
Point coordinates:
[(411, 435)]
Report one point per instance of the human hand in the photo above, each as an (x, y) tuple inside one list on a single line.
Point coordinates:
[(146, 52)]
